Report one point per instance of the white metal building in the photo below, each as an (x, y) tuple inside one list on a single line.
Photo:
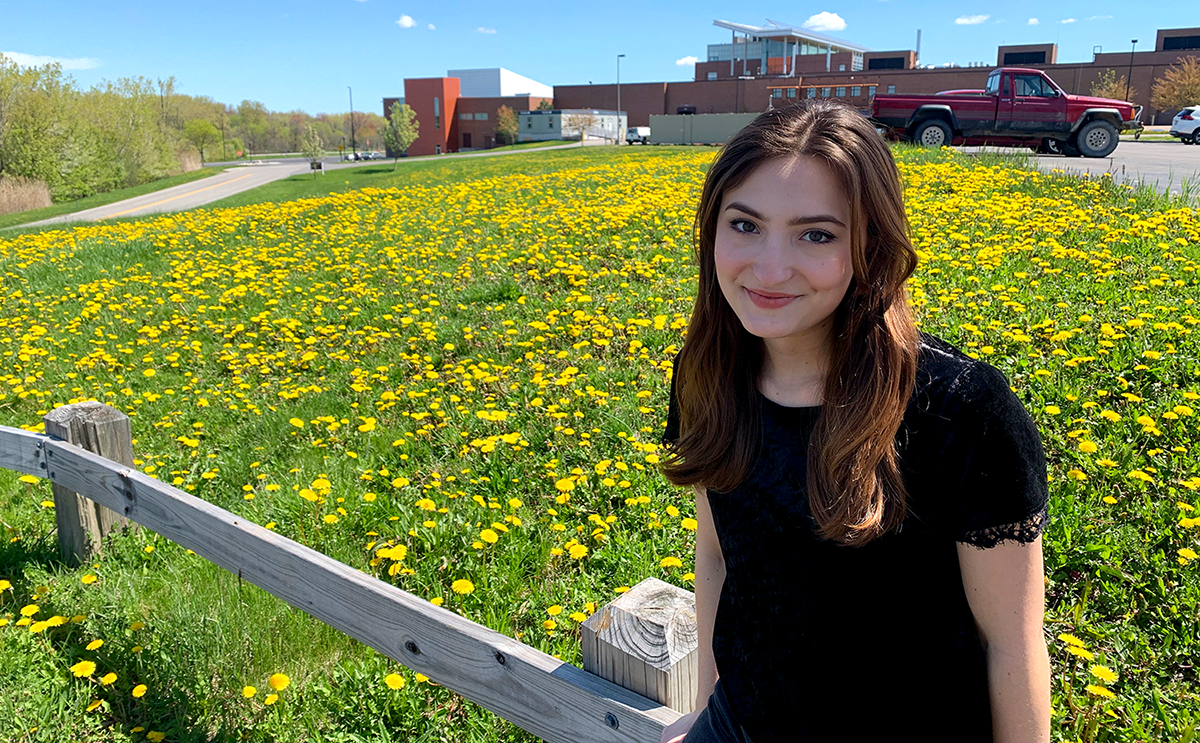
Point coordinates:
[(536, 126), (497, 82)]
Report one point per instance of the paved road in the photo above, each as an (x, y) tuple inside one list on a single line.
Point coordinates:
[(236, 177), (1164, 165)]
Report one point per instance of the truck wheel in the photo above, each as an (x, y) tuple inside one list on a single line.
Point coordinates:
[(1096, 138), (1050, 147), (1068, 149), (933, 133)]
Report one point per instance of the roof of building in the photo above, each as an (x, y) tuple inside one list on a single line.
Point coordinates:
[(785, 31)]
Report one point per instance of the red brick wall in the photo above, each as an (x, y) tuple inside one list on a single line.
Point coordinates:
[(437, 131), (481, 133)]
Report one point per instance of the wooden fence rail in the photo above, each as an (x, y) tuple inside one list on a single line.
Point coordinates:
[(547, 697)]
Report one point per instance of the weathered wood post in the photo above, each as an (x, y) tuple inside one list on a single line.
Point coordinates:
[(646, 641), (83, 524)]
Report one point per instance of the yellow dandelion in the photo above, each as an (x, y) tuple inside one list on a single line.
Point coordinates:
[(139, 691), (394, 681), (578, 551), (108, 678), (489, 536), (670, 562), (1086, 655), (1104, 673), (83, 668), (279, 681), (462, 586), (565, 485), (155, 736), (249, 691), (271, 699), (554, 610), (30, 609), (1088, 447), (1100, 691), (95, 644), (549, 624), (95, 705), (88, 579)]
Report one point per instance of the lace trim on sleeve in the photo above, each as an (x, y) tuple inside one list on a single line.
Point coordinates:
[(1022, 531)]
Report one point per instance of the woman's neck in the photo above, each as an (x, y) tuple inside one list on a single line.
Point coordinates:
[(794, 370)]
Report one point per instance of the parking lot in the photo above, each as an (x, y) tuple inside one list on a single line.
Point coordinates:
[(1167, 166)]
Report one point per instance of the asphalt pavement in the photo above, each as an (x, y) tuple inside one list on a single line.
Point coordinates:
[(1165, 166), (237, 176)]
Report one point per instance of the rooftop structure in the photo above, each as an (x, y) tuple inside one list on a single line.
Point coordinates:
[(497, 82), (777, 45)]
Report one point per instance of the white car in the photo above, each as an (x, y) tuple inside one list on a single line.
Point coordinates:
[(1186, 125)]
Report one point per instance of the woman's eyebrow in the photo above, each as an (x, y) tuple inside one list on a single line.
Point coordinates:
[(794, 221)]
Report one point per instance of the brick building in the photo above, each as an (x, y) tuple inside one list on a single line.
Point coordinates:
[(451, 121), (800, 64)]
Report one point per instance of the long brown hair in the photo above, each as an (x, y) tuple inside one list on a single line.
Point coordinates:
[(855, 489)]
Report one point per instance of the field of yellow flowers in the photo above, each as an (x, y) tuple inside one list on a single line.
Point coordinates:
[(455, 379)]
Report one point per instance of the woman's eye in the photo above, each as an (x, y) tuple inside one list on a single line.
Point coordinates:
[(742, 225), (818, 236)]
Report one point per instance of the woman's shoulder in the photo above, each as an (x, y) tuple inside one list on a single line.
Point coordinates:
[(948, 379)]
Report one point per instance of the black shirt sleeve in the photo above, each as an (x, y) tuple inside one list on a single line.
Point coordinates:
[(671, 434), (997, 455)]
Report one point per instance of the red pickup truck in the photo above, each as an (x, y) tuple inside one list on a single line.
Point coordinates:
[(1018, 107)]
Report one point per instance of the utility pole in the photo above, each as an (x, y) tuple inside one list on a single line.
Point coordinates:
[(1129, 79), (620, 134), (352, 147)]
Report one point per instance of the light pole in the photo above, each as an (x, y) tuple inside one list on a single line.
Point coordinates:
[(1129, 79), (352, 147), (620, 134)]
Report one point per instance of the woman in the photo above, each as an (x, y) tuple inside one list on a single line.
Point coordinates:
[(870, 500)]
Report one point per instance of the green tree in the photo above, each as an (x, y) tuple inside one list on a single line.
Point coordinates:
[(1113, 86), (1178, 87), (507, 125), (201, 133), (546, 105), (401, 131), (313, 149)]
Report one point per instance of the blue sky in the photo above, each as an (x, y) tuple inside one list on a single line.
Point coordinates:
[(304, 53)]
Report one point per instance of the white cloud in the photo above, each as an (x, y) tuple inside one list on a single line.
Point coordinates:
[(1034, 21), (432, 27), (825, 21), (1067, 20), (1100, 18), (685, 61), (485, 30), (406, 21), (37, 60), (970, 20)]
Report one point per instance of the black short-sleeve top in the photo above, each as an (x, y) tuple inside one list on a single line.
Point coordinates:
[(817, 641)]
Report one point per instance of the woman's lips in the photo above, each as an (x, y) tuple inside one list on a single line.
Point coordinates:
[(770, 302)]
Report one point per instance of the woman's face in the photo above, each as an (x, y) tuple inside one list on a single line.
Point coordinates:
[(783, 251)]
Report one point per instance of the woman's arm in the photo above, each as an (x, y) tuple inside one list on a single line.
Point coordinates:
[(710, 576), (1005, 587)]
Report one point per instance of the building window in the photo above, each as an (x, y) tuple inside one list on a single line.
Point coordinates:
[(464, 117), (812, 92), (550, 123), (871, 91), (712, 76), (891, 88), (824, 92), (841, 91), (777, 93), (841, 68), (481, 117), (791, 92), (855, 91), (437, 115), (886, 63), (529, 124)]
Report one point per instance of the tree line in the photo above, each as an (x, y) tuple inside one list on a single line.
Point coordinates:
[(134, 130)]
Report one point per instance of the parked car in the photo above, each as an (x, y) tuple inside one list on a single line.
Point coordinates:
[(1186, 125), (637, 134), (1019, 107), (350, 157)]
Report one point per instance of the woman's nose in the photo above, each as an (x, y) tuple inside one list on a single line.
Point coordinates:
[(771, 266)]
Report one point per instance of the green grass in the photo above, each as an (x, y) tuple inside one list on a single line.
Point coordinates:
[(102, 199), (372, 325)]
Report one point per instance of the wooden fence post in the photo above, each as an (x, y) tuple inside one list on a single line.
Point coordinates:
[(646, 641), (83, 524)]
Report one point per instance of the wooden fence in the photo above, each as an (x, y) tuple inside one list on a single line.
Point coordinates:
[(644, 641)]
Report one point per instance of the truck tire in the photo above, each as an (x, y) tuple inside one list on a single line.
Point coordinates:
[(1097, 138), (1068, 149), (932, 133)]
